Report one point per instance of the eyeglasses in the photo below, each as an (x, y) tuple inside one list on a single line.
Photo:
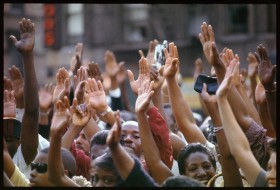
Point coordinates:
[(40, 167)]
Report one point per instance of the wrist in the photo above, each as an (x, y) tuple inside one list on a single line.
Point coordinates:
[(104, 111)]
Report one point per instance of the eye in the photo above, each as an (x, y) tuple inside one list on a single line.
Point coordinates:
[(192, 168), (136, 136), (109, 180), (207, 166)]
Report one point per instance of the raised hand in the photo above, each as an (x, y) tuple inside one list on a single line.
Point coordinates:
[(62, 87), (145, 94), (18, 85), (224, 87), (80, 113), (172, 62), (115, 71), (76, 60), (114, 135), (266, 70), (207, 39), (45, 97), (9, 104), (111, 66), (144, 74), (151, 52), (27, 36), (206, 96), (7, 84), (157, 76), (80, 80), (252, 65), (97, 96), (61, 116), (94, 71), (198, 69)]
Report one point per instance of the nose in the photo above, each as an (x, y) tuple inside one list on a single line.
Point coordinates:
[(127, 139), (33, 173), (201, 173)]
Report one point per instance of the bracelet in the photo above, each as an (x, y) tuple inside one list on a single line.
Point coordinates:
[(106, 111), (216, 129), (44, 113)]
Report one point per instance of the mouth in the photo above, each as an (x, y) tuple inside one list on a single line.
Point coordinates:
[(204, 181), (79, 147)]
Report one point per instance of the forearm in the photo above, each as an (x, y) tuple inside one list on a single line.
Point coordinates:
[(55, 164), (91, 128), (253, 85), (69, 136), (252, 111), (220, 70), (271, 103), (157, 168), (122, 160), (231, 174), (213, 111), (183, 114), (266, 119)]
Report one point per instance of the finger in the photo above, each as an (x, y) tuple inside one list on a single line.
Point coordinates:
[(75, 103), (94, 85), (141, 53), (121, 64), (166, 54), (211, 33), (257, 57), (204, 88), (171, 49), (100, 86), (151, 86), (66, 102), (201, 38), (176, 55), (130, 76), (13, 38)]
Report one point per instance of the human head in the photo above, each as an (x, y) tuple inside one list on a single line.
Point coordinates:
[(41, 179), (196, 161), (82, 143), (181, 181), (271, 165), (103, 171), (98, 144), (12, 130), (131, 137)]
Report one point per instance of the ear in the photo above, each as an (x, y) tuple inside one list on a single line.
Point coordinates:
[(66, 172)]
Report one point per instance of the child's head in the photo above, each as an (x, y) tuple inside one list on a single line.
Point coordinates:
[(39, 167)]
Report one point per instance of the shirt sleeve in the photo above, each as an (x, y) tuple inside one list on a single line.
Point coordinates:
[(261, 180), (82, 162), (138, 177), (161, 136), (19, 179)]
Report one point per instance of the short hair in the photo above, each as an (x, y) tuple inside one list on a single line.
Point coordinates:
[(188, 150), (181, 181), (272, 145), (99, 138), (106, 162), (68, 160)]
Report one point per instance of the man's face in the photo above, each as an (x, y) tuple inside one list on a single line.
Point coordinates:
[(131, 138), (37, 178), (82, 143), (12, 144)]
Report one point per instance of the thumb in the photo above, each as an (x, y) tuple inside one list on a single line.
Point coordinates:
[(130, 76), (13, 38), (204, 88), (141, 53)]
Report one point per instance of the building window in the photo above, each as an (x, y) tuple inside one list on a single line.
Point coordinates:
[(238, 18), (135, 22), (75, 23)]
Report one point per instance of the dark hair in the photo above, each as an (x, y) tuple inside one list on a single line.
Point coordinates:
[(68, 160), (181, 181), (99, 138), (272, 145), (105, 162), (188, 150)]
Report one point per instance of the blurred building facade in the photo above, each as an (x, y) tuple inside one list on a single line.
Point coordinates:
[(127, 28)]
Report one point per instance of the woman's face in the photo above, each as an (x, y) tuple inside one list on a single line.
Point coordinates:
[(271, 170), (102, 178), (199, 167)]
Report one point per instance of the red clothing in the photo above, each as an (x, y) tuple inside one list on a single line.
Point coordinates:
[(82, 162), (160, 133)]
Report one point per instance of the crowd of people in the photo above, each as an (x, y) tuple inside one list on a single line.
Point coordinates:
[(81, 131)]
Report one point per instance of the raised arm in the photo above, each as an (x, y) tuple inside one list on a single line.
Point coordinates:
[(240, 147), (230, 169), (239, 109), (267, 73), (29, 130), (159, 171), (59, 124), (122, 160), (181, 110)]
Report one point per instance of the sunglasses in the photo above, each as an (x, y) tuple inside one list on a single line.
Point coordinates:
[(40, 167)]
